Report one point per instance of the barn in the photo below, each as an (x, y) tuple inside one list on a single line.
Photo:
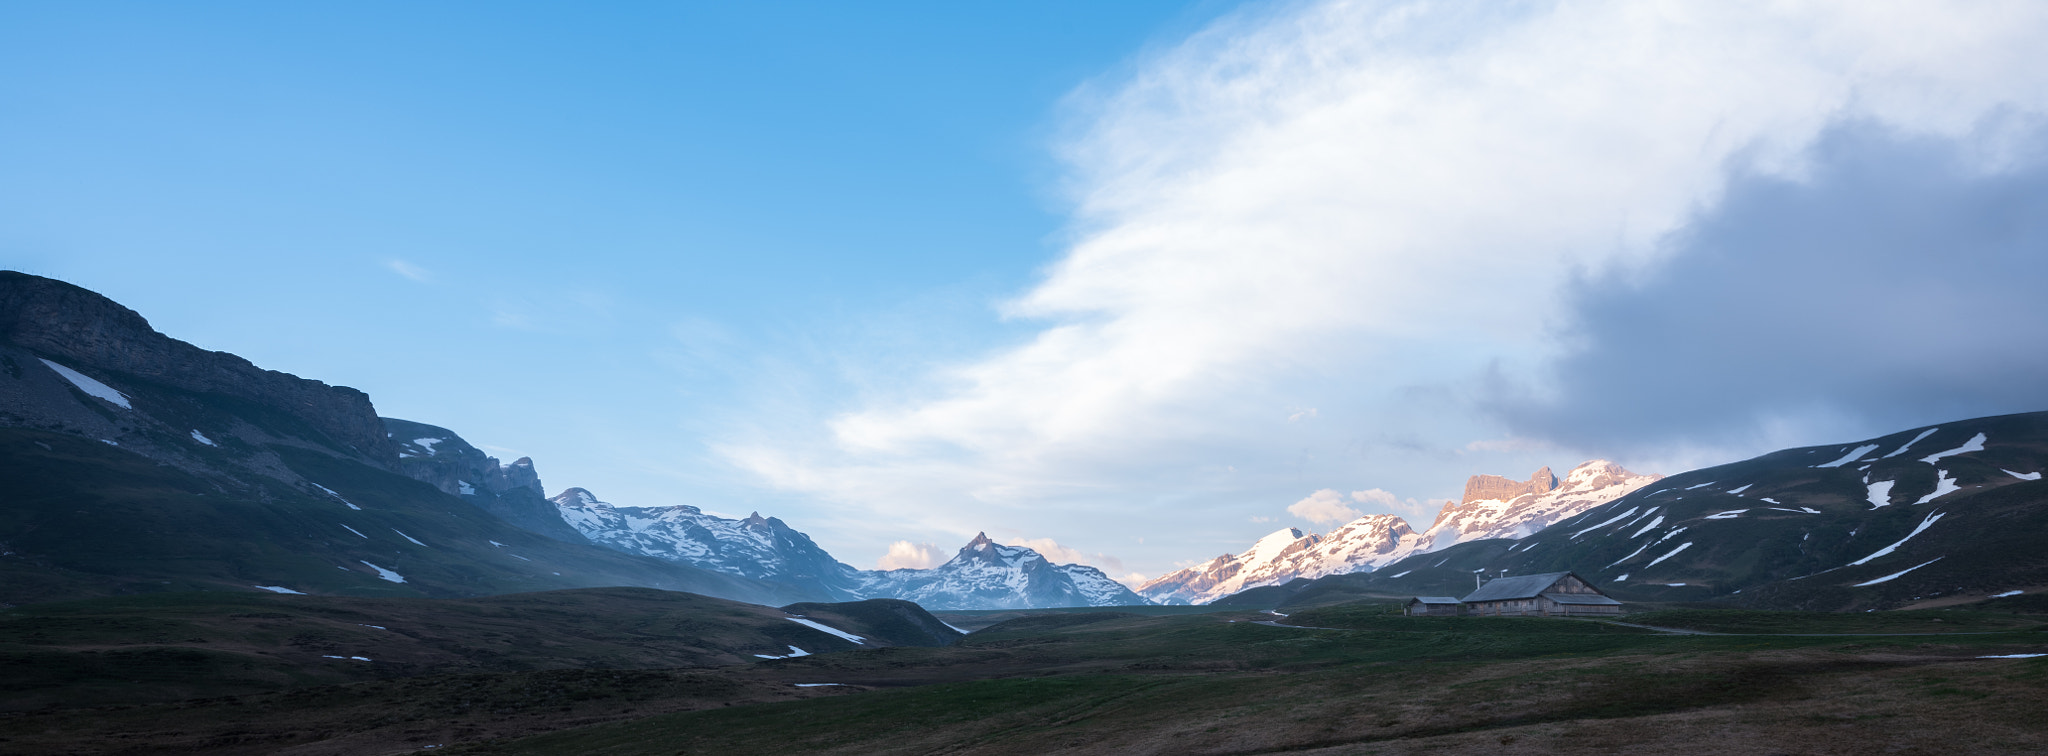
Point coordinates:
[(1432, 606), (1551, 594)]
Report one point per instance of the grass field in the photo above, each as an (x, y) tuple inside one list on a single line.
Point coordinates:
[(1088, 682)]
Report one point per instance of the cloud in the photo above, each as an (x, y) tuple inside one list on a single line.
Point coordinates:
[(1375, 498), (1324, 507), (1058, 554), (913, 556), (1307, 414), (1897, 283), (409, 270), (1389, 211)]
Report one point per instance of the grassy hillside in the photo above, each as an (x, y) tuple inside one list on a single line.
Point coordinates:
[(84, 518), (644, 672), (1121, 683)]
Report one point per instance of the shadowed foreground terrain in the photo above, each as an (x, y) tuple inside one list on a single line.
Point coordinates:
[(1086, 682)]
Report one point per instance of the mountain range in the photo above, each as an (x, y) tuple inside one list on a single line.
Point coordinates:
[(1493, 507), (1935, 516), (983, 575), (140, 463)]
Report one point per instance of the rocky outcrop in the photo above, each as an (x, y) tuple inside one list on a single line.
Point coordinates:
[(1495, 487), (1377, 540), (513, 492), (86, 330)]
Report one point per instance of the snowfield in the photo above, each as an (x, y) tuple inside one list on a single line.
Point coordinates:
[(822, 627), (92, 387)]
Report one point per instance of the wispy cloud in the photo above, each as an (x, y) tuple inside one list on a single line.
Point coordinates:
[(410, 271), (1370, 208)]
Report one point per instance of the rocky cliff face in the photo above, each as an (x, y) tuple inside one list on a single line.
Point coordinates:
[(91, 332), (1542, 501), (1495, 487), (513, 492)]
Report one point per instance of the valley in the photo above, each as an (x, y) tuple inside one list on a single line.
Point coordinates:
[(636, 671)]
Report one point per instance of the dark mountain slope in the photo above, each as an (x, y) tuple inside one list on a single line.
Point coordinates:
[(1957, 512), (440, 458), (135, 462)]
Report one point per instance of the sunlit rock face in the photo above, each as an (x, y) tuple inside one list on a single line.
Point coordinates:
[(1493, 507)]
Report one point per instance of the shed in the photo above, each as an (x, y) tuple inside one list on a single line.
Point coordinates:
[(1551, 594), (1432, 606)]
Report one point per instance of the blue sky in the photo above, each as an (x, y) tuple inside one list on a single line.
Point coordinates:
[(1121, 280)]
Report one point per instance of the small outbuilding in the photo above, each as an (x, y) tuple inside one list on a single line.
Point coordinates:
[(1551, 594), (1432, 606)]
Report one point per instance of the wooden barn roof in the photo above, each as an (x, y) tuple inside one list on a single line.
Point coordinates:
[(1521, 587)]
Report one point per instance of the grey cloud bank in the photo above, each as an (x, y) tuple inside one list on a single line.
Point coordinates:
[(1903, 281)]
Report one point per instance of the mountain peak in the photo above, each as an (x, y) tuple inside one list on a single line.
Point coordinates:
[(981, 541), (576, 497), (1497, 488)]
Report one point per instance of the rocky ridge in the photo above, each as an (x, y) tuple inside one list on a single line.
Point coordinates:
[(1373, 541)]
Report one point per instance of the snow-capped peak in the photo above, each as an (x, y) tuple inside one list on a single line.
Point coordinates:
[(1493, 507)]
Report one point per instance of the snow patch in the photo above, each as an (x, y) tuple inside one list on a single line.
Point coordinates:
[(379, 627), (384, 574), (1744, 487), (330, 492), (1924, 524), (467, 489), (518, 557), (1728, 515), (415, 541), (86, 384), (345, 526), (1853, 455), (1975, 444), (427, 444), (1895, 575), (1622, 579), (1403, 572), (2007, 594), (827, 628), (955, 629), (1881, 493), (201, 438), (1943, 486), (794, 652), (816, 685), (2022, 476), (1631, 555), (278, 589), (1702, 485), (1909, 444), (1610, 521), (499, 545), (1674, 552), (2014, 656)]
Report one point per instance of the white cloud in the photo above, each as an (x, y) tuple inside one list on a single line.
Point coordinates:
[(1324, 507), (1376, 498), (1058, 554), (1366, 207), (914, 556), (409, 270)]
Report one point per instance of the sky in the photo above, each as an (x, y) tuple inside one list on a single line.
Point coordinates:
[(1131, 283)]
